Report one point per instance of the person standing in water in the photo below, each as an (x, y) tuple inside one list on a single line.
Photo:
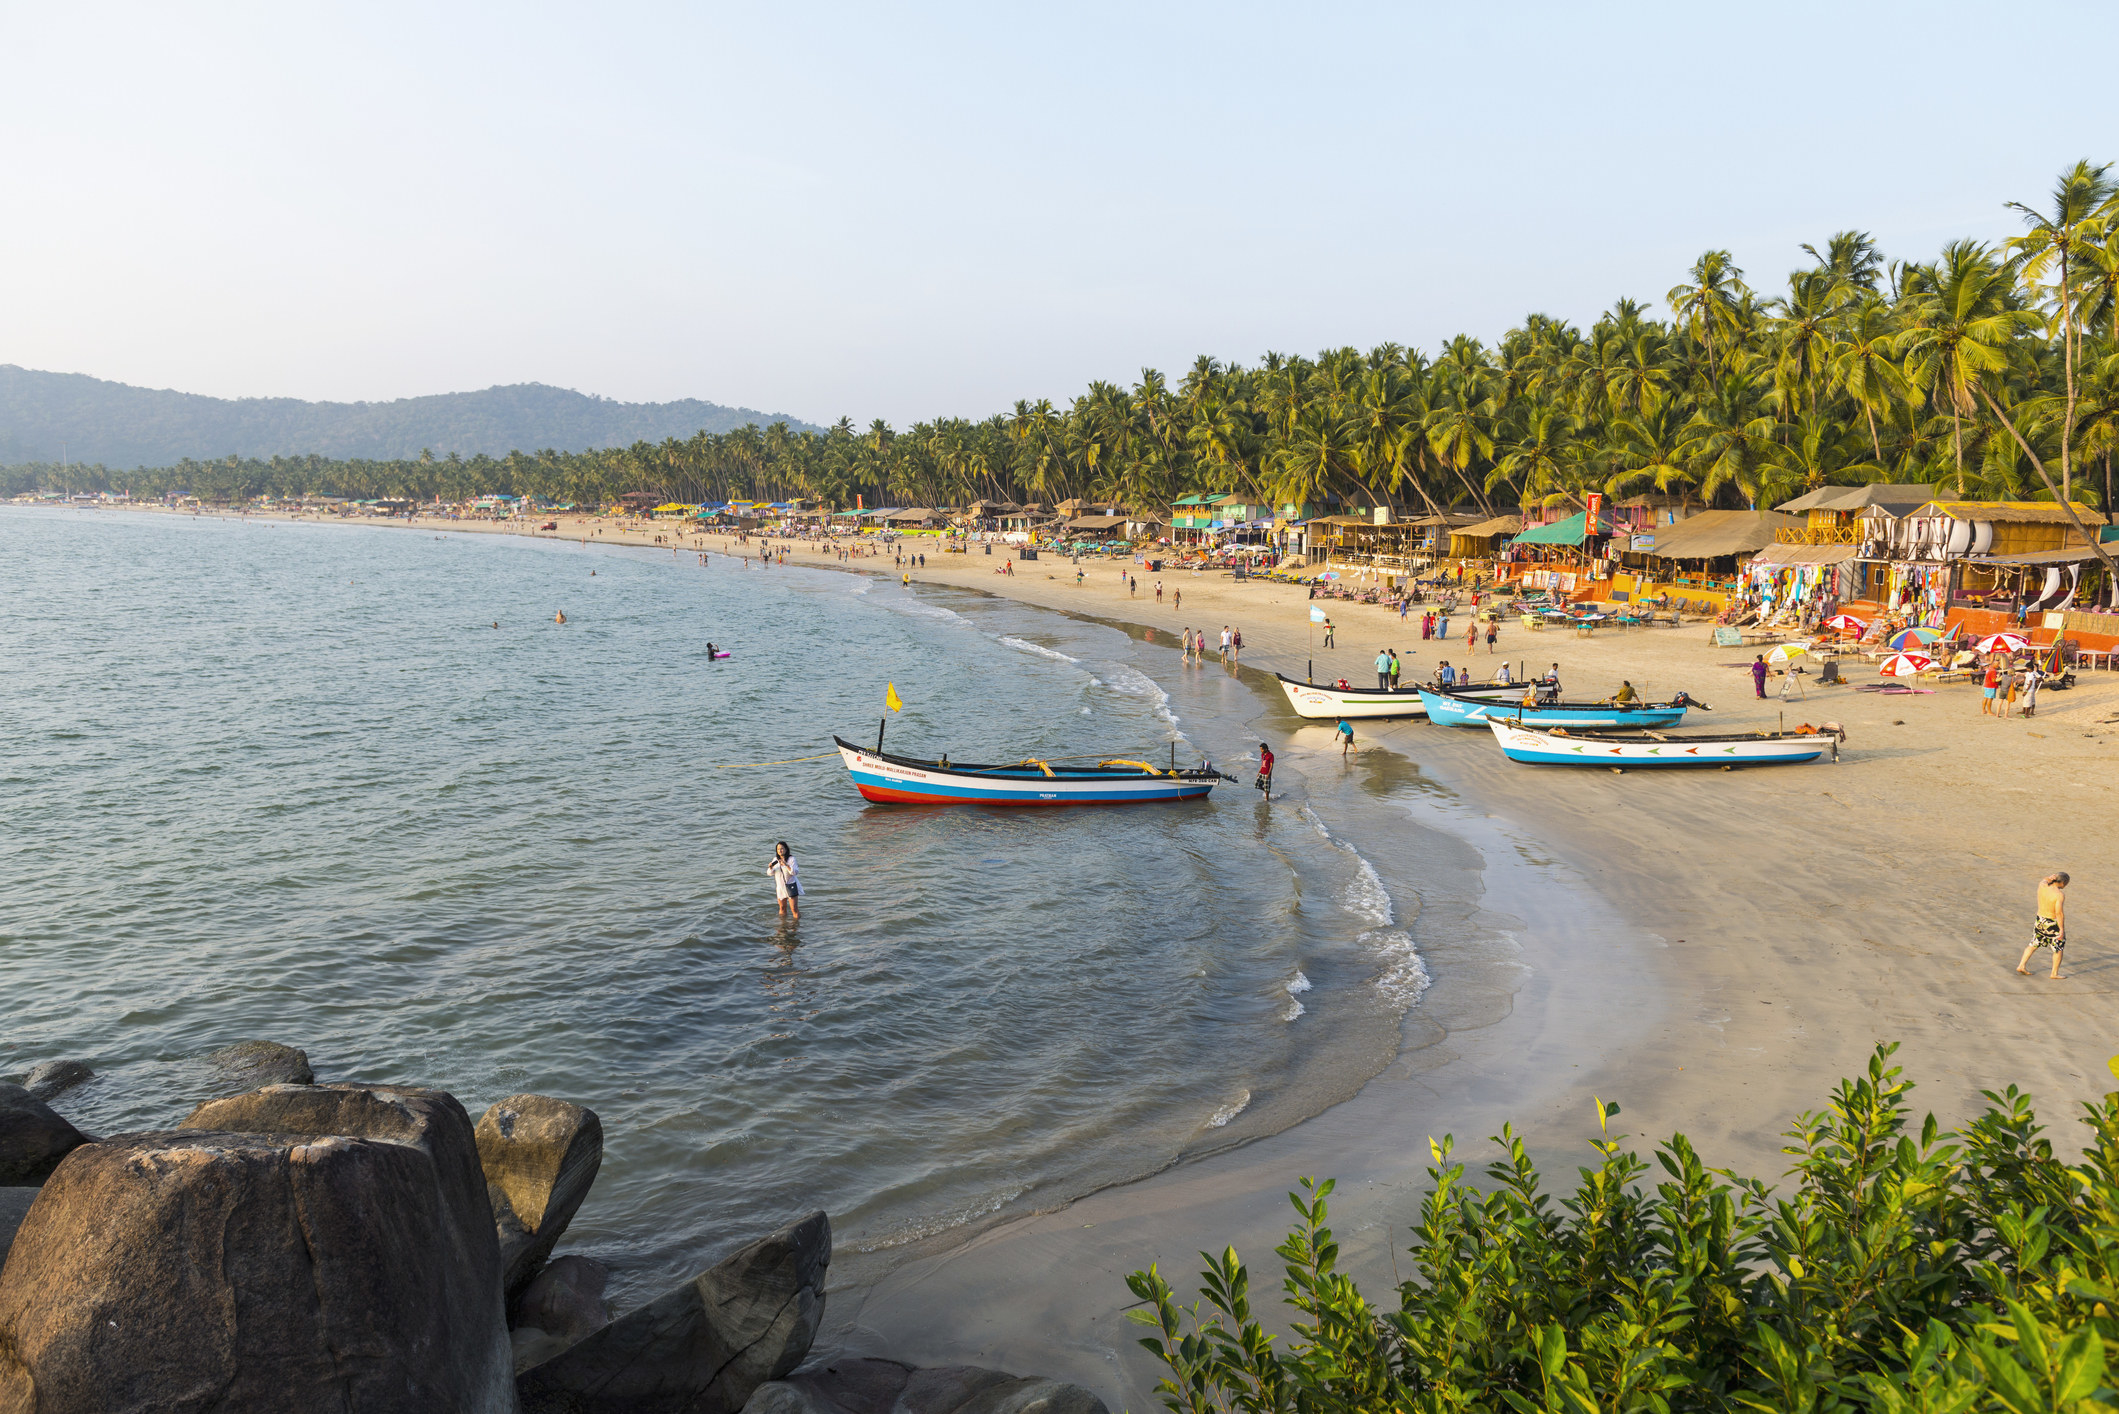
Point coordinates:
[(787, 884), (1264, 782), (2050, 930)]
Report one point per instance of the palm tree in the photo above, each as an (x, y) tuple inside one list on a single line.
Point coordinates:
[(1962, 326), (1861, 367), (2051, 245), (1711, 305)]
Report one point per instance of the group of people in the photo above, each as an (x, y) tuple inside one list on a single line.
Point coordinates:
[(2004, 686), (1231, 645)]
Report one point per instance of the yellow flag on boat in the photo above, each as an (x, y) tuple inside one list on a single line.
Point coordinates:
[(890, 697)]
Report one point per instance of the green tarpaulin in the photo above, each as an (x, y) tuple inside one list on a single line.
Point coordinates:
[(1571, 531)]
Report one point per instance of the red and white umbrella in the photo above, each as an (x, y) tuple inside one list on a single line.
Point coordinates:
[(1905, 665), (1846, 623), (2003, 643)]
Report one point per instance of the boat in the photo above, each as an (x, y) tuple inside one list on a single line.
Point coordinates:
[(1320, 702), (1458, 712), (1628, 749), (904, 780)]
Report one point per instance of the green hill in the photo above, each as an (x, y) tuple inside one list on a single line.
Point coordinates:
[(123, 426)]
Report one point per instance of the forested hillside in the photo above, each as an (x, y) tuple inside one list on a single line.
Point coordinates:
[(45, 415)]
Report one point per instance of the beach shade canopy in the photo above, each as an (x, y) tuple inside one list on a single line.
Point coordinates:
[(2003, 643), (1913, 637), (1846, 623), (1906, 665), (1786, 652)]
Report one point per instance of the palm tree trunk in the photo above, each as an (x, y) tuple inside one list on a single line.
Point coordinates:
[(2067, 354), (1874, 440), (2046, 476)]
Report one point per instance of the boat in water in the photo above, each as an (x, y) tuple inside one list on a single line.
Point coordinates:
[(1622, 750), (904, 780), (1614, 716), (1323, 702)]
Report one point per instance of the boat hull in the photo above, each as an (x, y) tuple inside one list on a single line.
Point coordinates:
[(1320, 703), (1539, 748), (1456, 712), (894, 781)]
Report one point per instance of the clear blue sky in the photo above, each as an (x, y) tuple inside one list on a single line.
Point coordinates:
[(910, 211)]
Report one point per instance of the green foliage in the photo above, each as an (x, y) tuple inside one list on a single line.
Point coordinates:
[(1992, 371), (1906, 1269)]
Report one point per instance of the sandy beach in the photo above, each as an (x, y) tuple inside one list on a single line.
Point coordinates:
[(1713, 950)]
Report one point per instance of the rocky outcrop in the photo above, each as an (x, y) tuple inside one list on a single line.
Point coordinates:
[(54, 1076), (14, 1206), (539, 1156), (261, 1270), (886, 1387), (32, 1139), (250, 1064), (705, 1347), (566, 1299)]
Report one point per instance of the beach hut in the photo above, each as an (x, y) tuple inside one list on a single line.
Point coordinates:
[(1701, 554)]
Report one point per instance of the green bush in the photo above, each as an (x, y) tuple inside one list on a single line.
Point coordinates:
[(1907, 1270)]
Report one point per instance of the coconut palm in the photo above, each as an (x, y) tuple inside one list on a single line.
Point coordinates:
[(2049, 249), (1962, 325)]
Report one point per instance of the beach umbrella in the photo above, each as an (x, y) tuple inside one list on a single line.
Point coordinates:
[(1846, 623), (1914, 638), (1785, 652), (1905, 665), (2003, 643)]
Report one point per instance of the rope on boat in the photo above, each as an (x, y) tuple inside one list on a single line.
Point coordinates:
[(740, 765)]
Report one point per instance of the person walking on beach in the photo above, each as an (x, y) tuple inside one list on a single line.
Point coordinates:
[(1327, 633), (1264, 783), (1471, 635), (1493, 632), (1394, 668), (787, 883), (1989, 687), (1346, 738), (1383, 669), (1158, 591), (2050, 931), (1225, 643), (1758, 676), (2031, 678), (1177, 600), (1236, 646)]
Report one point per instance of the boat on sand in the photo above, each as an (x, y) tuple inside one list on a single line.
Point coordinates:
[(1623, 750), (1613, 716), (1323, 702), (906, 780)]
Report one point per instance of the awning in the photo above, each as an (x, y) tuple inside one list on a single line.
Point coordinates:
[(1096, 522), (1804, 555), (1572, 531)]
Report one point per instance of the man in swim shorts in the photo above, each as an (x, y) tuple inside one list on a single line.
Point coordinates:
[(2050, 929)]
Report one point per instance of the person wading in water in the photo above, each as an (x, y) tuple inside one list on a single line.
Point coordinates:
[(787, 884)]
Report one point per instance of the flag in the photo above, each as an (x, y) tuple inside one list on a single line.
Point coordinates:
[(890, 697), (1316, 614)]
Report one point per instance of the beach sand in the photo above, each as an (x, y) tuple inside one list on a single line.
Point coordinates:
[(1712, 950)]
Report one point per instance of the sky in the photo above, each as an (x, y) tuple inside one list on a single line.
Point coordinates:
[(915, 211)]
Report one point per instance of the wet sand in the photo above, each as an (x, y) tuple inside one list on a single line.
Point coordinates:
[(1711, 949)]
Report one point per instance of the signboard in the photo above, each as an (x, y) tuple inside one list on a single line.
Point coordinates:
[(1593, 512), (1643, 542)]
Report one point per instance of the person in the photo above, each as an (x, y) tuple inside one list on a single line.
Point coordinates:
[(1265, 770), (1502, 677), (1346, 738), (1188, 645), (1442, 625), (1224, 643), (2031, 678), (1158, 591), (1471, 635), (1493, 631), (2008, 688), (1328, 633), (1394, 669), (560, 617), (1177, 599), (1077, 576), (709, 650), (787, 884), (1236, 646), (1383, 669), (1626, 694), (2050, 930), (1427, 625), (1989, 688), (1758, 676)]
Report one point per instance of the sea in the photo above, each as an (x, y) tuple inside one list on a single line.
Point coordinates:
[(355, 789)]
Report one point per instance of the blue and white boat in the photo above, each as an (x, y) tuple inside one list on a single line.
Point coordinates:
[(1322, 702), (1453, 711), (1625, 750), (903, 780)]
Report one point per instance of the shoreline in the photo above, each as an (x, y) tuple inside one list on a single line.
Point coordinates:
[(1753, 934)]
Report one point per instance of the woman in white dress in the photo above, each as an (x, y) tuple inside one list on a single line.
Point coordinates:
[(787, 884)]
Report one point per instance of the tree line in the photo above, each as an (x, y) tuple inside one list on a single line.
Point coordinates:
[(1991, 370)]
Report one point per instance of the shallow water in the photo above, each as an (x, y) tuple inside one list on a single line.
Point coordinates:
[(288, 781)]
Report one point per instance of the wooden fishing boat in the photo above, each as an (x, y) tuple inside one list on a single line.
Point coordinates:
[(907, 781), (1613, 716), (1320, 702), (1659, 749)]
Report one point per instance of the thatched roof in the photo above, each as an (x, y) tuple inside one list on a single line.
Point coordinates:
[(1900, 497), (1712, 534), (1487, 529)]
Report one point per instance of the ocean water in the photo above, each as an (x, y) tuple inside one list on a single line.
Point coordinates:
[(290, 782)]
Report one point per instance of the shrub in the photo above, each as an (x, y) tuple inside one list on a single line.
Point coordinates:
[(1905, 1271)]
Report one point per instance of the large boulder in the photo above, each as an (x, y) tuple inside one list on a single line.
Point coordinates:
[(199, 1269), (14, 1207), (32, 1138), (566, 1299), (53, 1076), (539, 1155), (887, 1387), (705, 1347), (247, 1065)]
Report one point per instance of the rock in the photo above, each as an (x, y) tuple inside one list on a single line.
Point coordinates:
[(54, 1076), (32, 1138), (705, 1347), (14, 1206), (204, 1269), (539, 1155), (533, 1346), (250, 1064), (886, 1387), (565, 1299)]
